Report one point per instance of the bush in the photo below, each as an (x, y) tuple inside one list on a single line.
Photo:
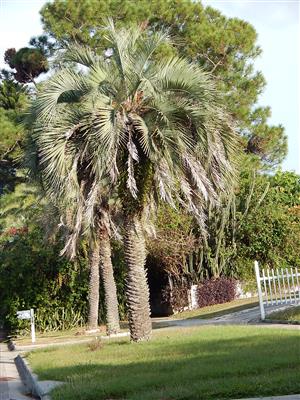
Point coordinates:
[(173, 242), (216, 291), (60, 318), (95, 344), (34, 275), (177, 297)]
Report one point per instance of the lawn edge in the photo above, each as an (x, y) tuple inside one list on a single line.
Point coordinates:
[(29, 347)]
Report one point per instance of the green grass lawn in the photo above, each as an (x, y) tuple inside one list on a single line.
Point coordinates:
[(218, 310), (290, 315), (187, 363)]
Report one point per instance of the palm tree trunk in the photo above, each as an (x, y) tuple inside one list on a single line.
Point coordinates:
[(110, 290), (137, 290), (93, 296)]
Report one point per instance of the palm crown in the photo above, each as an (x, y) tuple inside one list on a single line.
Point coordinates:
[(132, 122)]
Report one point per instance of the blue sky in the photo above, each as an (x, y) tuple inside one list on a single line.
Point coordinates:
[(276, 21), (278, 26)]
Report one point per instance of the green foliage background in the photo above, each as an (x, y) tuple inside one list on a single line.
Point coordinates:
[(32, 275)]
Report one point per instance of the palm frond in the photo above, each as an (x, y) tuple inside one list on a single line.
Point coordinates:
[(121, 124), (67, 85), (80, 55)]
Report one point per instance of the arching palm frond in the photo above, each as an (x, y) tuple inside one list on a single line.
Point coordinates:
[(79, 55), (65, 87)]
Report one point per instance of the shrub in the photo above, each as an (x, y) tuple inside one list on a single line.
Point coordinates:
[(173, 242), (95, 344), (177, 297), (59, 318), (34, 275), (216, 291)]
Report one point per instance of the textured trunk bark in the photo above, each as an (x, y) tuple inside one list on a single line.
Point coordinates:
[(111, 300), (93, 296), (137, 290)]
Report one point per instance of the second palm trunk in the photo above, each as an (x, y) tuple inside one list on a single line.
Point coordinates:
[(137, 289), (110, 290), (93, 296)]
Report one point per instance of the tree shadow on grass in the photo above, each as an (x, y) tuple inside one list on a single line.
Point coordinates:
[(246, 366)]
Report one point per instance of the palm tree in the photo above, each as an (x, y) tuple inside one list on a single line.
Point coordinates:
[(152, 129), (98, 234), (68, 213)]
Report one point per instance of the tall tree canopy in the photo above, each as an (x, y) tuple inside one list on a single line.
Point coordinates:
[(28, 63), (226, 47), (13, 100)]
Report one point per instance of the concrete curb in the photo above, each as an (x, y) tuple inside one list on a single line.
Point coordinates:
[(27, 377), (30, 381)]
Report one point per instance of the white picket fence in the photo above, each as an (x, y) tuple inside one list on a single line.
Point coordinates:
[(277, 286)]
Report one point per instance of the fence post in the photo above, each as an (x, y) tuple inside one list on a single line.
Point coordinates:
[(261, 304)]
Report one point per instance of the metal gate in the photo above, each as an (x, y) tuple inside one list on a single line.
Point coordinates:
[(277, 286)]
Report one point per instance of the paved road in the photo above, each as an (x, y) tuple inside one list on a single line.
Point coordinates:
[(248, 316)]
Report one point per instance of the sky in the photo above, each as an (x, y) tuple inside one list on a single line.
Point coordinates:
[(276, 21)]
